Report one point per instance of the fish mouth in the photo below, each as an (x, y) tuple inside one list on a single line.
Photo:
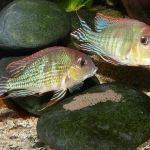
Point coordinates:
[(94, 70), (91, 74)]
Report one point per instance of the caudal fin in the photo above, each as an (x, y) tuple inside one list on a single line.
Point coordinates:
[(3, 85), (81, 34)]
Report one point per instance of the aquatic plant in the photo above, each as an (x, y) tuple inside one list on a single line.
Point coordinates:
[(72, 5)]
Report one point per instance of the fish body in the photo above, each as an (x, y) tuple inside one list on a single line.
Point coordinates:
[(52, 69), (120, 41)]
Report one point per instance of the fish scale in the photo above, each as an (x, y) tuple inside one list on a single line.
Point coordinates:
[(47, 80), (112, 44), (36, 78)]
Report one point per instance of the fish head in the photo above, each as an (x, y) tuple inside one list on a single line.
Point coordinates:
[(141, 48), (81, 68)]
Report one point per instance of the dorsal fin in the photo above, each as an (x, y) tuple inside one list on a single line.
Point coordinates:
[(83, 23), (16, 68), (102, 21)]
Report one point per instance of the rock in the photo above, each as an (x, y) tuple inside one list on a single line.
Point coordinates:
[(33, 104), (32, 24), (108, 116)]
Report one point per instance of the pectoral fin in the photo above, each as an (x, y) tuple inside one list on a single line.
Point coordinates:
[(58, 95)]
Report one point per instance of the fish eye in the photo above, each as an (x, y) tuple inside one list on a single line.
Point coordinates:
[(81, 62), (144, 40)]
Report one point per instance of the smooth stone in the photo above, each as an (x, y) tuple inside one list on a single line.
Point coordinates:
[(29, 24), (33, 104), (84, 122)]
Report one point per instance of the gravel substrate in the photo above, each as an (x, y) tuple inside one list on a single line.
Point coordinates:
[(17, 133)]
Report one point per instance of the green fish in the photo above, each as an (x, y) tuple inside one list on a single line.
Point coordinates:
[(52, 69), (120, 41)]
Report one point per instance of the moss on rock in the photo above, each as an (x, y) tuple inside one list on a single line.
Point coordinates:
[(32, 24), (104, 126)]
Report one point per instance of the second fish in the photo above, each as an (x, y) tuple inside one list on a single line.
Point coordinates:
[(120, 41)]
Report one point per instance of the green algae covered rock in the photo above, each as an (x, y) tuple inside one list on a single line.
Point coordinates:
[(32, 24), (104, 117)]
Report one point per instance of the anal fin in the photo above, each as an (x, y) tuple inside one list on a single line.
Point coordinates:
[(58, 95)]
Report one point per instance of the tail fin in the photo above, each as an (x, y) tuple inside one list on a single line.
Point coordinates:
[(82, 33), (3, 85)]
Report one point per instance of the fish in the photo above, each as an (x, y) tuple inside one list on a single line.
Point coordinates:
[(119, 41), (54, 69)]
